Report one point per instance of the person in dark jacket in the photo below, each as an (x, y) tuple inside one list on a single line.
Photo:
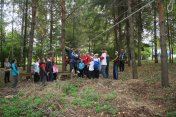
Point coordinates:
[(122, 58), (115, 66), (71, 56), (49, 69)]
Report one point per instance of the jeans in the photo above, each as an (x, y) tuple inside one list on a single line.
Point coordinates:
[(107, 70), (122, 65), (7, 77), (103, 71), (14, 81), (36, 77), (115, 71)]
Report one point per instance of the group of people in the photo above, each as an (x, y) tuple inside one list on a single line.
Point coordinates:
[(45, 70), (84, 65), (91, 65), (15, 72)]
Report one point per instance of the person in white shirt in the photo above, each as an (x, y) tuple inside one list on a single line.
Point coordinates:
[(7, 67), (36, 71), (91, 68), (103, 63)]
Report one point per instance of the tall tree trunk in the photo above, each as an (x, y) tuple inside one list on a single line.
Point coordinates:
[(63, 11), (1, 36), (168, 34), (12, 27), (31, 40), (51, 25), (115, 29), (22, 33), (155, 35), (139, 34), (128, 42), (130, 19), (164, 66), (25, 34)]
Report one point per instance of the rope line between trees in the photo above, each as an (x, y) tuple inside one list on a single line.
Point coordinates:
[(170, 6), (123, 19)]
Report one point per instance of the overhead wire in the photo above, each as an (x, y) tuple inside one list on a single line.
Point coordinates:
[(123, 19)]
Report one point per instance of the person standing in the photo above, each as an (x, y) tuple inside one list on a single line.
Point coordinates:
[(91, 69), (96, 66), (7, 67), (43, 74), (115, 66), (71, 56), (36, 71), (103, 63), (15, 74), (107, 60), (49, 69), (55, 70), (87, 62), (122, 60)]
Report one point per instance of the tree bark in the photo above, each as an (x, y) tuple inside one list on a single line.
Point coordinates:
[(25, 34), (116, 47), (164, 66), (128, 42), (22, 33), (139, 19), (63, 11), (155, 35), (168, 34), (132, 49), (34, 7), (1, 36), (51, 25)]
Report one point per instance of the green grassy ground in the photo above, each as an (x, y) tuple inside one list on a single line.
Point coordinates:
[(126, 97)]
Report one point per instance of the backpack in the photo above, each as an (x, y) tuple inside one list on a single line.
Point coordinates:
[(81, 66), (96, 64)]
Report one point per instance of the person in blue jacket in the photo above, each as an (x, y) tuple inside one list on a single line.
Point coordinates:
[(15, 73)]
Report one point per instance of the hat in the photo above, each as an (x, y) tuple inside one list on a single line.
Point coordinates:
[(96, 54)]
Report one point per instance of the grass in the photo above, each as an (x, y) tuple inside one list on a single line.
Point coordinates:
[(94, 97)]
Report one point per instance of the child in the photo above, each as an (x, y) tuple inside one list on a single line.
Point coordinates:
[(91, 68), (81, 66), (55, 71)]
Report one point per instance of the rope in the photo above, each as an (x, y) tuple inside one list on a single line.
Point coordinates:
[(170, 6), (123, 19)]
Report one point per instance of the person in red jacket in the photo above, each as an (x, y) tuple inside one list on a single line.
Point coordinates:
[(86, 62)]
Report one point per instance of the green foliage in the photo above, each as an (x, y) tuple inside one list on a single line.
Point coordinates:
[(21, 107), (89, 94), (88, 98), (83, 103), (106, 107), (70, 89), (171, 114), (110, 96)]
